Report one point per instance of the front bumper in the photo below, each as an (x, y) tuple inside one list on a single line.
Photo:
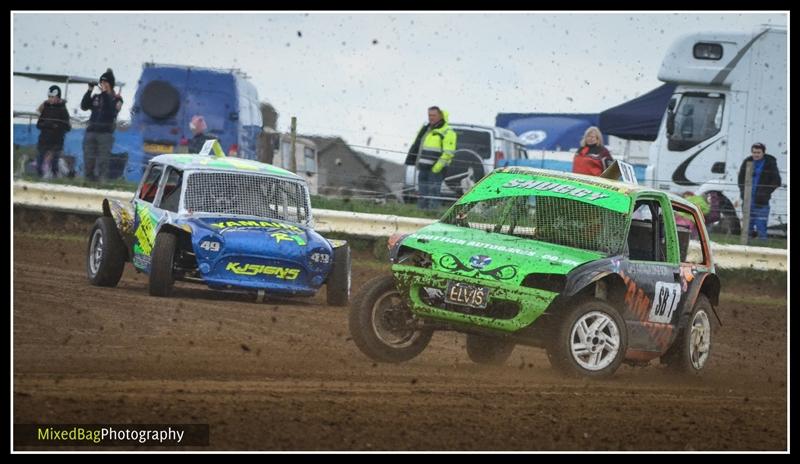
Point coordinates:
[(276, 276), (531, 302)]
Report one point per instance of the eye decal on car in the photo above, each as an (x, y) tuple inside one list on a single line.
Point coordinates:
[(480, 261), (452, 263)]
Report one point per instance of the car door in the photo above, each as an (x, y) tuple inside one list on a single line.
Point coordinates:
[(146, 215), (695, 254), (652, 277)]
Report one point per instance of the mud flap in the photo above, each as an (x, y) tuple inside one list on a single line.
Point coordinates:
[(714, 310), (123, 216), (337, 243), (122, 213)]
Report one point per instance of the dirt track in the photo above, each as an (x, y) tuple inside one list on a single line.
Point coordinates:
[(284, 375)]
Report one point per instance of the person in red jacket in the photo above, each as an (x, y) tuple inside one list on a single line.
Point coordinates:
[(592, 157)]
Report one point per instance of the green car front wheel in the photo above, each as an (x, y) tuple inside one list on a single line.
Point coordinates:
[(382, 325)]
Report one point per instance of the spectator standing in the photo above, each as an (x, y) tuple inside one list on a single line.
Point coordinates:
[(432, 151), (99, 136), (198, 127), (766, 178), (592, 157), (53, 124)]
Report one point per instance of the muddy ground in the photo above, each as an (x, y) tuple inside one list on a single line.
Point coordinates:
[(285, 375)]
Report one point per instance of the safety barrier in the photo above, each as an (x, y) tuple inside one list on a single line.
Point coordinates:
[(85, 200)]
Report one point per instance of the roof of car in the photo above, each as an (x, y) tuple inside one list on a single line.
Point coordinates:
[(223, 163), (615, 185)]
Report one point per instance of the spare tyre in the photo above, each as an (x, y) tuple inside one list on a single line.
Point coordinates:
[(160, 100), (464, 171)]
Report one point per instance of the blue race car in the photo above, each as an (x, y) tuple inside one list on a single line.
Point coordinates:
[(232, 224)]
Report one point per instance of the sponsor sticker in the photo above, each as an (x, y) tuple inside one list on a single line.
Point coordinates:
[(259, 224), (555, 187), (285, 273)]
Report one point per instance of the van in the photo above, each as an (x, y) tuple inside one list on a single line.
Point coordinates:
[(479, 150), (168, 96), (731, 91)]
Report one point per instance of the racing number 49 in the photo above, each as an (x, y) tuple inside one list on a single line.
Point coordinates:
[(209, 245)]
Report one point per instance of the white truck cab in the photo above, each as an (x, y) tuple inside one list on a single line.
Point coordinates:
[(731, 91)]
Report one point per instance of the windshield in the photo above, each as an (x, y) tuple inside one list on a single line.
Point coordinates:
[(247, 194), (554, 220), (697, 118)]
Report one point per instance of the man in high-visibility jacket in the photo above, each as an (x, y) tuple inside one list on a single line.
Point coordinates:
[(432, 151)]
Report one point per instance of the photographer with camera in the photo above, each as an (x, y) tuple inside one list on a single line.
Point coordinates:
[(100, 132)]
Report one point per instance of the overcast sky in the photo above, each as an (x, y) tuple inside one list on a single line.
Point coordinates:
[(369, 77)]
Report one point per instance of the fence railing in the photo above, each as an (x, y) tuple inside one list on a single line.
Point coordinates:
[(84, 200)]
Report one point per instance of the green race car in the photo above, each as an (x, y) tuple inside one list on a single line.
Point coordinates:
[(594, 270)]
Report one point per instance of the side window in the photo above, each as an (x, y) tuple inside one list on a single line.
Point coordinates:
[(249, 111), (646, 238), (170, 200), (478, 141), (149, 187), (691, 249), (245, 111), (256, 110)]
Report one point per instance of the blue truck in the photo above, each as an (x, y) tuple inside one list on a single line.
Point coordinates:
[(168, 96)]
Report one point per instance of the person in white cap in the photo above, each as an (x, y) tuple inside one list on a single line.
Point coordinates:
[(53, 125), (198, 126)]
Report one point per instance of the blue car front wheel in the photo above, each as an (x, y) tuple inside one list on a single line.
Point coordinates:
[(105, 257), (162, 264)]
